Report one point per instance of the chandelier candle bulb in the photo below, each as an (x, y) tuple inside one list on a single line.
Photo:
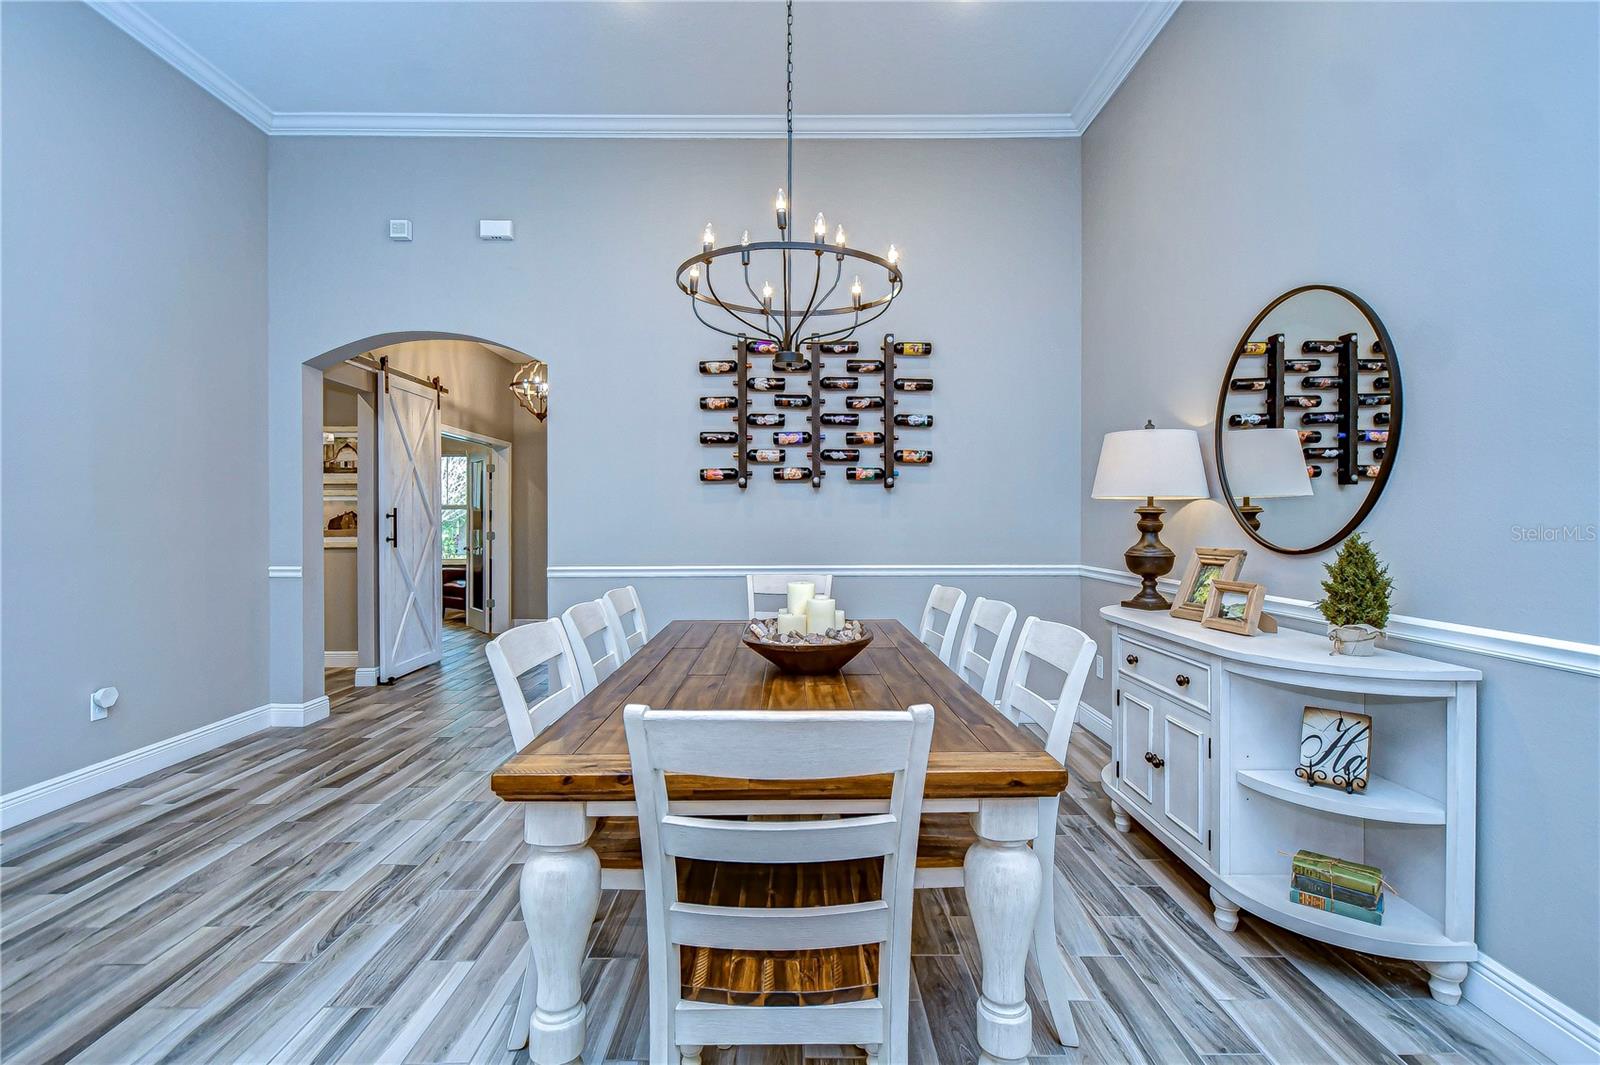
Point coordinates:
[(782, 206), (694, 280), (855, 293), (708, 239), (819, 228), (838, 236)]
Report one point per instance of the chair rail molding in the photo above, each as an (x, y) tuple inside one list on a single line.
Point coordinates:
[(918, 569), (286, 573)]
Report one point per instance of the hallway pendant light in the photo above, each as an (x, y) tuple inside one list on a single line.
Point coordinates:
[(776, 316), (531, 386)]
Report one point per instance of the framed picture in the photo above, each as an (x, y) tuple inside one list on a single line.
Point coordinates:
[(1234, 606), (1335, 748), (1206, 566)]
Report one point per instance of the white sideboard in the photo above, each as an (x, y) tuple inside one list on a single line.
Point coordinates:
[(1205, 740)]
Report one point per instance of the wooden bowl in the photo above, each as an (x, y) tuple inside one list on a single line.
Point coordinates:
[(809, 659)]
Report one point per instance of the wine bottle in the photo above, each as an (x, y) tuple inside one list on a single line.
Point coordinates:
[(791, 438), (1321, 347), (1253, 347), (1248, 384), (763, 419), (841, 454), (761, 347), (913, 347), (719, 473), (863, 402), (767, 384), (1322, 452), (1369, 473), (864, 366), (717, 367), (1380, 384), (833, 418), (797, 366), (1372, 365), (913, 384), (719, 438), (718, 402), (1248, 421), (1302, 401), (1378, 453), (765, 454), (1302, 365), (1327, 417), (913, 456), (838, 347), (1373, 436), (866, 439), (1373, 401), (1380, 418), (791, 473), (1313, 471), (840, 384), (863, 473), (1321, 382), (914, 421), (1310, 436), (792, 400)]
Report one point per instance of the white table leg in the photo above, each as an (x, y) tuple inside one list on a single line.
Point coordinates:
[(560, 894), (1003, 883)]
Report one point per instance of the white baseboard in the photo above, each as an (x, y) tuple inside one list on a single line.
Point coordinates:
[(340, 659), (366, 677), (1551, 1027), (51, 795), (1096, 722)]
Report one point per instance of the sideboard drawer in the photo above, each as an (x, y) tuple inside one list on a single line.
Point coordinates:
[(1182, 678)]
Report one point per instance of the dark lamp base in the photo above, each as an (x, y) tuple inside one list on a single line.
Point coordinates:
[(1148, 560)]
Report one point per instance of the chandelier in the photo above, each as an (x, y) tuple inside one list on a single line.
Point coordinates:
[(531, 386), (774, 317)]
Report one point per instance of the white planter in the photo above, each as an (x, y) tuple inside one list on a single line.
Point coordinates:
[(1359, 640)]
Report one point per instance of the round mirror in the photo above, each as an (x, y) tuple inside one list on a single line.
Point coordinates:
[(1308, 419)]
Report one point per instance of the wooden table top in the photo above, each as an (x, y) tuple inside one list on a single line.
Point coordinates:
[(583, 757)]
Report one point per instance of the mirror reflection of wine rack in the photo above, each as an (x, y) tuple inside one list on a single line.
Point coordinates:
[(818, 397), (1329, 432)]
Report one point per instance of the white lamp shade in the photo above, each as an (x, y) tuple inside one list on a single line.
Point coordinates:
[(1141, 463), (1266, 464)]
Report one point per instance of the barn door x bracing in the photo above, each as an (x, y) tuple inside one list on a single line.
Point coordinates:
[(410, 607)]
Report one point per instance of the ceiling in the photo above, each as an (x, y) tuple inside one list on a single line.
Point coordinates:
[(562, 68)]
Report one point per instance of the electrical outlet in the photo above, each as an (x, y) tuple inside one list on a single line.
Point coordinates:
[(101, 700), (1100, 667)]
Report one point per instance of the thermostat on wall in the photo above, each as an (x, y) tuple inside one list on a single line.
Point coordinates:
[(399, 229), (495, 229)]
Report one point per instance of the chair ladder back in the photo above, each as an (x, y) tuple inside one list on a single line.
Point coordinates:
[(982, 672), (525, 647), (585, 621), (1065, 649), (758, 584), (625, 603), (949, 602)]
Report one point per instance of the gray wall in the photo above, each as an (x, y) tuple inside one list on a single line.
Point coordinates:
[(990, 234), (134, 419), (530, 511), (1440, 161)]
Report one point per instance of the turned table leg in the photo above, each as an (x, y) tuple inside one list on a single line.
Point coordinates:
[(1444, 980), (1227, 914), (560, 894), (1003, 882)]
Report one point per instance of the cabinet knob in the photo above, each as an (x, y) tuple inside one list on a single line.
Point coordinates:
[(1133, 660), (1183, 681), (1156, 761)]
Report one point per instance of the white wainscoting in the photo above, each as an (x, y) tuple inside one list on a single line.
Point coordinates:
[(48, 796)]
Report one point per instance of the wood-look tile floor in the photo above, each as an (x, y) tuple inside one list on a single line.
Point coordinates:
[(348, 892)]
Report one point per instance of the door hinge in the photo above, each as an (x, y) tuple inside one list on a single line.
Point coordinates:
[(491, 604), (491, 537), (491, 469)]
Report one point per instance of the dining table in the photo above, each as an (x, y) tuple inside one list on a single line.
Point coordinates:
[(986, 776)]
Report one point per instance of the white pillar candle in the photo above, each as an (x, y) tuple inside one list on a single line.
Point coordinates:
[(838, 619), (819, 614), (788, 622), (800, 593)]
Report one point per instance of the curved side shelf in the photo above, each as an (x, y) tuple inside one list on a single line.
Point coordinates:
[(1383, 799), (1406, 932)]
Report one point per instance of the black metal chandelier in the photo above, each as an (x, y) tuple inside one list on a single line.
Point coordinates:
[(775, 319)]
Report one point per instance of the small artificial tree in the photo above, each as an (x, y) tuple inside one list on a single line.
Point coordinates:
[(1358, 586)]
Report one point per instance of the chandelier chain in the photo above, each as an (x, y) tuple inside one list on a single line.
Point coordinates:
[(789, 96)]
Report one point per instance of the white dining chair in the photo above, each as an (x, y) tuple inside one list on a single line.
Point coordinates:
[(778, 584), (706, 921), (981, 669), (624, 602), (946, 603), (593, 621), (514, 657)]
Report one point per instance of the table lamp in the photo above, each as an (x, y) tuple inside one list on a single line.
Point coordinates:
[(1150, 464), (1265, 464)]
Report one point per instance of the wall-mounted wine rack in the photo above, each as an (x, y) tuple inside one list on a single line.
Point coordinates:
[(1314, 418), (808, 404)]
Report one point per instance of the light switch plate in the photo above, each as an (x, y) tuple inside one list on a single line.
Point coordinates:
[(495, 229), (1099, 667)]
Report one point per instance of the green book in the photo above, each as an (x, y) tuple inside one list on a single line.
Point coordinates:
[(1343, 909), (1367, 879), (1338, 892)]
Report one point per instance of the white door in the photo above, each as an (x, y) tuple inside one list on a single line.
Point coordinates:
[(410, 606)]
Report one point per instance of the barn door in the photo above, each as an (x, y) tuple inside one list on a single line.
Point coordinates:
[(410, 606)]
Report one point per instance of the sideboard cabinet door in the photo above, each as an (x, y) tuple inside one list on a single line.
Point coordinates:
[(1137, 738), (1184, 777)]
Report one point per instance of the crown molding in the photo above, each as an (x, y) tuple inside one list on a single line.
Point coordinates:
[(133, 21), (673, 127), (1120, 63)]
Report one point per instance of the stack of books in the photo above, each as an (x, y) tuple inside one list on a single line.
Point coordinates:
[(1349, 889)]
